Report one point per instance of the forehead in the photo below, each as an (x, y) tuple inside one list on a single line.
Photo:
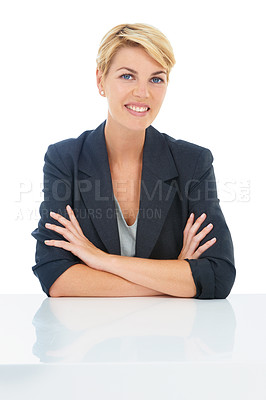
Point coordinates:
[(135, 58)]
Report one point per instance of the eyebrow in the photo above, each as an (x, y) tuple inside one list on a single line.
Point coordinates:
[(135, 72)]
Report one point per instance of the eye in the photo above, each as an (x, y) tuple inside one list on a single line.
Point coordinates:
[(157, 80), (127, 76)]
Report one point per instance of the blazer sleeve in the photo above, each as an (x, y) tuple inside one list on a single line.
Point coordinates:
[(214, 271), (51, 262)]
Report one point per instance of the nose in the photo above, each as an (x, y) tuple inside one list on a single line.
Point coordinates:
[(141, 90)]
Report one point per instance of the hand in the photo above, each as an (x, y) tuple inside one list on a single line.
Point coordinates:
[(191, 239), (76, 242)]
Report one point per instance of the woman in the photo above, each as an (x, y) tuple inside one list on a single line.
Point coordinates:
[(127, 210)]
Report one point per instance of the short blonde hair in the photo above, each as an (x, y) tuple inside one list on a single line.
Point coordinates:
[(153, 41)]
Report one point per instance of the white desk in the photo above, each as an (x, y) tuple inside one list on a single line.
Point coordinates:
[(132, 348)]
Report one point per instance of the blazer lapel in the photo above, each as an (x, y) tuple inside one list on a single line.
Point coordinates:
[(157, 194), (97, 189), (156, 197)]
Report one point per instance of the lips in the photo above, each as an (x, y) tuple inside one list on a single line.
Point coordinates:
[(137, 108)]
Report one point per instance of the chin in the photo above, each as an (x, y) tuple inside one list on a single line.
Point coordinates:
[(136, 125), (131, 123)]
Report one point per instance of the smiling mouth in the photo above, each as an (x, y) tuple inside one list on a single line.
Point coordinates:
[(137, 109)]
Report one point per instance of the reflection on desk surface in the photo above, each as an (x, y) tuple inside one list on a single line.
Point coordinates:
[(161, 328)]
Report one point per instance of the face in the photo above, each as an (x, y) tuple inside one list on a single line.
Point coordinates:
[(135, 86)]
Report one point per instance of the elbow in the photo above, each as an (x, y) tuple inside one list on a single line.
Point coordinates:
[(62, 285), (56, 290), (55, 278), (224, 282), (214, 278), (190, 292), (222, 294), (54, 293), (184, 293)]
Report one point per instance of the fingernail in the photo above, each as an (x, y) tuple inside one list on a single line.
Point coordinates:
[(52, 213), (203, 215), (213, 239), (191, 215), (47, 224), (210, 225)]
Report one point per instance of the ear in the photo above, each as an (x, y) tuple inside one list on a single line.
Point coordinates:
[(99, 80)]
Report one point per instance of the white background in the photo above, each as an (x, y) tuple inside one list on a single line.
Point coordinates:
[(216, 98)]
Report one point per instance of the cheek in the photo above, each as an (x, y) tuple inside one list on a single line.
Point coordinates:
[(163, 93), (116, 96), (159, 96)]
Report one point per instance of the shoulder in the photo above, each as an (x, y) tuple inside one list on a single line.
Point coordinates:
[(185, 151), (71, 145), (186, 148), (65, 153), (190, 159)]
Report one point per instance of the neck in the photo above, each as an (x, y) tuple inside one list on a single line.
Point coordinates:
[(124, 146)]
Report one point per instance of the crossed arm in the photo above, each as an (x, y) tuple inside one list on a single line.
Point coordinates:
[(103, 274)]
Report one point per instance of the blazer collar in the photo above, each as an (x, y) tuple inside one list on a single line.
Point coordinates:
[(156, 195), (156, 154)]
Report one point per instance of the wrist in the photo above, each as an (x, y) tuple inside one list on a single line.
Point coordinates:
[(97, 259), (110, 262)]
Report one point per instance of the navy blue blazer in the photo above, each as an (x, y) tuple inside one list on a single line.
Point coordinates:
[(177, 179)]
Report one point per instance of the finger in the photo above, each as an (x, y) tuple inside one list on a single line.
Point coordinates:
[(195, 227), (74, 220), (63, 221), (68, 235), (186, 242), (188, 225), (204, 232), (59, 218), (194, 242), (59, 243), (203, 248), (191, 243)]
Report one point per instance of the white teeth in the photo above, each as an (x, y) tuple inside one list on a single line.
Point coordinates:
[(139, 109)]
